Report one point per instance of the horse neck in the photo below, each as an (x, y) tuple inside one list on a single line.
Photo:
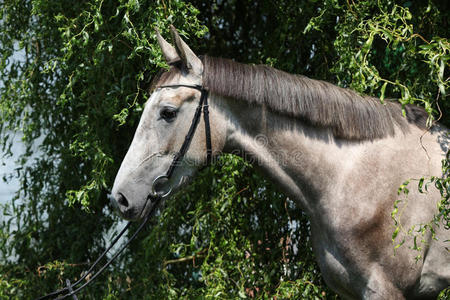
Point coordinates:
[(305, 161)]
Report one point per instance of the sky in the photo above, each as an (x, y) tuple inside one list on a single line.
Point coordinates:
[(7, 167)]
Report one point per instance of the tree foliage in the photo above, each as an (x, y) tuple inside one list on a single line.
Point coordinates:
[(74, 78)]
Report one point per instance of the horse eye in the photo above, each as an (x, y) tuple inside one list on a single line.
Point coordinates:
[(168, 114)]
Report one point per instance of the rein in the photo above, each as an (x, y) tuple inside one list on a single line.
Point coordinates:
[(72, 289)]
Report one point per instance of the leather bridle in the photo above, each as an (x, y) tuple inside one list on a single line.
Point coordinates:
[(202, 106), (71, 289)]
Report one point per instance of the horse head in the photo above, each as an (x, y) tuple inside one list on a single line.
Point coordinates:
[(161, 134)]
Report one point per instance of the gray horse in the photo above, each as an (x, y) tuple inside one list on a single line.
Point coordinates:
[(341, 156)]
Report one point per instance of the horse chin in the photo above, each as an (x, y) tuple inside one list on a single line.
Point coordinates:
[(130, 215)]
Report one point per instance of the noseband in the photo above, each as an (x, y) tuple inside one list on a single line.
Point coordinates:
[(202, 106)]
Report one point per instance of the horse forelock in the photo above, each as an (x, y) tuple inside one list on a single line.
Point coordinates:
[(348, 114)]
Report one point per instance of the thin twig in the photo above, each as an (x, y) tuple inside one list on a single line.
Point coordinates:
[(181, 260), (244, 189)]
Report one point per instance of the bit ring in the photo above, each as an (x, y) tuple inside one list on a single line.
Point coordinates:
[(159, 178)]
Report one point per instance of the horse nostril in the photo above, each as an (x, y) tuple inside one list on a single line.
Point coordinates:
[(122, 200)]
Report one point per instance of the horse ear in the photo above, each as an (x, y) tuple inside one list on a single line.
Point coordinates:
[(169, 52), (188, 57)]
